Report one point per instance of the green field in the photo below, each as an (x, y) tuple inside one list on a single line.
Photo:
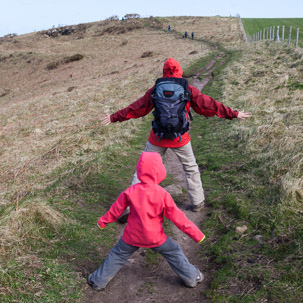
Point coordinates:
[(253, 25)]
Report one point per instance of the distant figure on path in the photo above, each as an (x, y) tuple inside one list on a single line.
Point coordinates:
[(185, 35), (149, 203), (192, 35), (169, 28)]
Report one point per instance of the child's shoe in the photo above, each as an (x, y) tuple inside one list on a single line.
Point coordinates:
[(92, 284), (193, 283), (200, 277)]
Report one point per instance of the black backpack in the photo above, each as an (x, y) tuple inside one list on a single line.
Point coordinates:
[(170, 97)]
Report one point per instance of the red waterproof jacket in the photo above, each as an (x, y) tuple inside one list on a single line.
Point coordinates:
[(149, 203), (200, 103)]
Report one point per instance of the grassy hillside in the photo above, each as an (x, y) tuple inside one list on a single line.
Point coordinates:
[(254, 25), (253, 174), (59, 168)]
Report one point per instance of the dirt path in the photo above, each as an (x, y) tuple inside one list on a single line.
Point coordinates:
[(139, 282)]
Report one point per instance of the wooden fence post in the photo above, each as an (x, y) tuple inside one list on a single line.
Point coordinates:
[(273, 32), (289, 34), (277, 34), (283, 29), (264, 34), (269, 33), (297, 38)]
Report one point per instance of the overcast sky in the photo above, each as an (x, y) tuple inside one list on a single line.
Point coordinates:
[(25, 16)]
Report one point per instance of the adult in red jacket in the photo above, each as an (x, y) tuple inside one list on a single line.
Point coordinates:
[(148, 203), (201, 104)]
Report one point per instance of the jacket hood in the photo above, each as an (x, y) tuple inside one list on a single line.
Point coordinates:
[(172, 68), (150, 168)]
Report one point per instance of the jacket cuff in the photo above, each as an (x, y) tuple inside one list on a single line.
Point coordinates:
[(202, 239), (99, 226)]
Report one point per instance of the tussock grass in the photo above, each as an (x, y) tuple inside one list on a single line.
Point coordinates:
[(51, 137), (27, 222), (263, 82), (252, 174)]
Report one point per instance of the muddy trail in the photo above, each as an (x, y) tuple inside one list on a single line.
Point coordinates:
[(139, 280)]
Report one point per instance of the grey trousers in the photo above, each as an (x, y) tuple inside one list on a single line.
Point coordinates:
[(122, 251), (192, 174)]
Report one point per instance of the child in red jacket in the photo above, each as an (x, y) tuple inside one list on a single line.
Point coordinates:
[(148, 203)]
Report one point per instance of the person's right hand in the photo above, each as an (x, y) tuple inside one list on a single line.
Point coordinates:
[(106, 120)]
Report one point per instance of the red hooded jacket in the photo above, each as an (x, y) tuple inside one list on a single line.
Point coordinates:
[(201, 104), (149, 203)]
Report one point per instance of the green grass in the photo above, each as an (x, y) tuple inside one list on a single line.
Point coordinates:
[(238, 193), (254, 25), (63, 257), (198, 65)]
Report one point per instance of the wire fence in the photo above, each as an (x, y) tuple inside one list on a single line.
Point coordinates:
[(276, 33), (242, 27)]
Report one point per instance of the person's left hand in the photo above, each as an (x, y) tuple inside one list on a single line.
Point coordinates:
[(242, 115)]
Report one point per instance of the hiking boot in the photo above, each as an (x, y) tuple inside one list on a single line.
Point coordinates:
[(92, 284), (198, 207)]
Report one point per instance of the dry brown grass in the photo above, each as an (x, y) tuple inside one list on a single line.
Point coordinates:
[(28, 220), (44, 126), (215, 29), (51, 117), (266, 81)]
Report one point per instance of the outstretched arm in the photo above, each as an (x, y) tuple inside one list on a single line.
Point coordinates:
[(209, 107), (137, 109), (177, 216), (115, 211)]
